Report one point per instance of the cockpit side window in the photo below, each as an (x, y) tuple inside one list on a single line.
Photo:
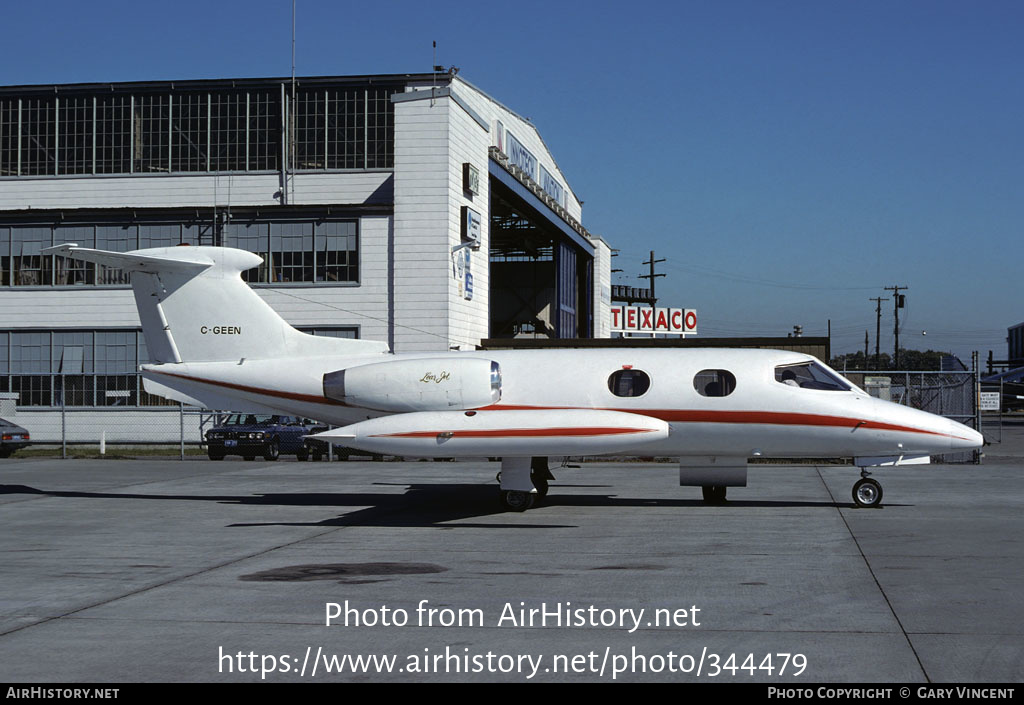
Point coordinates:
[(810, 375), (629, 383), (714, 383)]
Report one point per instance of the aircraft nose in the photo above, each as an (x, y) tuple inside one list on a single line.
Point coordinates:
[(964, 437)]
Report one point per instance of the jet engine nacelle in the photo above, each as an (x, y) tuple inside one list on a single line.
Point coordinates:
[(428, 384)]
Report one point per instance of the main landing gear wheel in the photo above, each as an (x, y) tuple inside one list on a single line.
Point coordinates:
[(714, 494), (867, 493), (516, 501)]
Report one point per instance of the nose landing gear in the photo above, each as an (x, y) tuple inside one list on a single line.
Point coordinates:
[(867, 492)]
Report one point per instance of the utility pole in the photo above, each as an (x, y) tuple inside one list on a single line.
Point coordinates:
[(652, 276), (898, 303), (878, 328), (865, 348)]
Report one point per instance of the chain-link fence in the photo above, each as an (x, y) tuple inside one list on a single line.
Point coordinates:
[(170, 430)]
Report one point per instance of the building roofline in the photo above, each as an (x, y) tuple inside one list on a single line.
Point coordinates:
[(214, 83), (529, 122)]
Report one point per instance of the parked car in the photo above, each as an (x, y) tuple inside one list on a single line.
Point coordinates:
[(249, 435), (12, 437)]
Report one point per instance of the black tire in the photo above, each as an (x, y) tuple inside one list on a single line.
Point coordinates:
[(249, 457), (713, 494), (317, 456), (516, 501), (302, 455), (867, 493), (215, 456), (272, 451)]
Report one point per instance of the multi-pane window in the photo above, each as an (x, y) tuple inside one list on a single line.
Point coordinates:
[(67, 271), (30, 368), (264, 131), (159, 236), (116, 361), (227, 129), (27, 262), (75, 135), (380, 128), (310, 118), (38, 136), (346, 129), (189, 128), (291, 252), (71, 362), (337, 252), (113, 134), (301, 251), (151, 124), (9, 114)]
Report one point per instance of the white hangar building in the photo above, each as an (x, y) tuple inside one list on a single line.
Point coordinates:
[(413, 209)]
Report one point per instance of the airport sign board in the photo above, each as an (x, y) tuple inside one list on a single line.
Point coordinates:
[(647, 319)]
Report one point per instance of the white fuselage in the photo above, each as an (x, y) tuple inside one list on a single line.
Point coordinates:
[(761, 416)]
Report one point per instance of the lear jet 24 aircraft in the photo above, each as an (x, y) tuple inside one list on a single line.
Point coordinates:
[(216, 344)]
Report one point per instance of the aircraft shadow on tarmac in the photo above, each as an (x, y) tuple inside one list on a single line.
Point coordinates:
[(430, 505)]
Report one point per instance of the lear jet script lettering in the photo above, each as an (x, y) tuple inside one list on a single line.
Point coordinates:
[(436, 379)]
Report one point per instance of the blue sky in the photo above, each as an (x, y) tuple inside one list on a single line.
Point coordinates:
[(788, 159)]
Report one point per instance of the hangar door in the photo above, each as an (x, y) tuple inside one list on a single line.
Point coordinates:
[(541, 280)]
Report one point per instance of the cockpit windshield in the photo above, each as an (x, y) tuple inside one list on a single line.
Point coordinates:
[(811, 375)]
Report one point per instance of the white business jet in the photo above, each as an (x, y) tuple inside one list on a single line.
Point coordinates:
[(215, 344)]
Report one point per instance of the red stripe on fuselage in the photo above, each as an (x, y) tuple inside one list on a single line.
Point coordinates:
[(776, 418), (307, 398)]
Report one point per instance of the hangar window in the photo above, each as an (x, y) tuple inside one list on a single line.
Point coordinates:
[(75, 144), (629, 383), (113, 134), (714, 383), (190, 132), (38, 136), (810, 375), (151, 126), (227, 131), (9, 117)]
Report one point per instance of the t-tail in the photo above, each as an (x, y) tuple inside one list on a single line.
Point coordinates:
[(196, 312)]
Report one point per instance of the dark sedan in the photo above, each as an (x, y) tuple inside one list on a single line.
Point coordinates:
[(12, 437), (251, 435)]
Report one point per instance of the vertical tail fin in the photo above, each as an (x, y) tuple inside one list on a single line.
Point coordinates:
[(194, 307)]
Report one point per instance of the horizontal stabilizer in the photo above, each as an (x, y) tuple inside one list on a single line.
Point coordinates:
[(129, 261)]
